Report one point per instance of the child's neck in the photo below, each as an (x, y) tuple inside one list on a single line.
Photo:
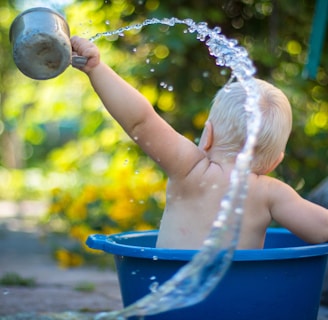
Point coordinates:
[(221, 158)]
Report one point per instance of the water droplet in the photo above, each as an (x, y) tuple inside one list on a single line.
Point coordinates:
[(208, 242), (220, 61), (218, 224), (155, 258), (152, 278), (107, 22), (222, 217), (154, 286), (225, 204), (217, 30), (227, 88), (206, 74), (202, 184)]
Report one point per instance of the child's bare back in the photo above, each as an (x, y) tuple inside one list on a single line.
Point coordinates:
[(193, 204)]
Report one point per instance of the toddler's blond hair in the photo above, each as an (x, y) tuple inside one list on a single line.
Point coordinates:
[(229, 119)]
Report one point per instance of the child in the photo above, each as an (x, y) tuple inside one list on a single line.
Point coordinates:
[(198, 176)]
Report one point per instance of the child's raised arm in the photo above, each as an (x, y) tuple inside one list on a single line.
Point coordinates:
[(173, 152)]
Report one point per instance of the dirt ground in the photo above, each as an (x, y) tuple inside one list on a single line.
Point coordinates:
[(55, 290)]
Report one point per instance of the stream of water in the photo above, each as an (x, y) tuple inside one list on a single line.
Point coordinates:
[(197, 279)]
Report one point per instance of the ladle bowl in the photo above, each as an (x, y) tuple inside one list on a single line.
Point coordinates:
[(40, 39)]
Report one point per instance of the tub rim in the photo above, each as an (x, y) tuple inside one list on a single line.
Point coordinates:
[(111, 244)]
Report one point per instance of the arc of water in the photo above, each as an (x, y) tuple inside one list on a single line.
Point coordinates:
[(197, 279)]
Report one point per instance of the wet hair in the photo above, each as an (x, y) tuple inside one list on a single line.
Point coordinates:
[(229, 120)]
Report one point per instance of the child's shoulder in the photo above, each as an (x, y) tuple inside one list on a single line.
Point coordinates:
[(267, 183), (271, 188)]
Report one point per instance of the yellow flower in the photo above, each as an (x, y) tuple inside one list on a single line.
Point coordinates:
[(129, 188), (56, 192), (199, 119), (80, 232), (124, 211), (90, 193), (143, 226), (67, 259), (55, 208), (76, 211)]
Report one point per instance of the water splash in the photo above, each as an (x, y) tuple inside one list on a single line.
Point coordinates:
[(193, 282)]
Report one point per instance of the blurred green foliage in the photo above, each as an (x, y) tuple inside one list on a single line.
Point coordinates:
[(57, 141)]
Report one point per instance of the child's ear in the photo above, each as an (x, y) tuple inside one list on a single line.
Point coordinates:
[(276, 163), (207, 136), (280, 158)]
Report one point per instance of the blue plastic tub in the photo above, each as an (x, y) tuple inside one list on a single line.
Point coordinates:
[(282, 281)]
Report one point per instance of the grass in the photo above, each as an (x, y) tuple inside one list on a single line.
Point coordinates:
[(14, 279), (85, 286)]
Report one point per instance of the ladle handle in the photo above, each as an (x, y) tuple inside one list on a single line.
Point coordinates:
[(79, 61)]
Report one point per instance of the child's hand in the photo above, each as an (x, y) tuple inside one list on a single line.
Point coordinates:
[(85, 48)]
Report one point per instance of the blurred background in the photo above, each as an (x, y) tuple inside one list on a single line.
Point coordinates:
[(60, 148)]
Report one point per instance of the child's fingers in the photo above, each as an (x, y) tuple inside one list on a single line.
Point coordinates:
[(84, 48)]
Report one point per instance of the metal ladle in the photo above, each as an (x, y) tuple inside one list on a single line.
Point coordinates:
[(41, 44)]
